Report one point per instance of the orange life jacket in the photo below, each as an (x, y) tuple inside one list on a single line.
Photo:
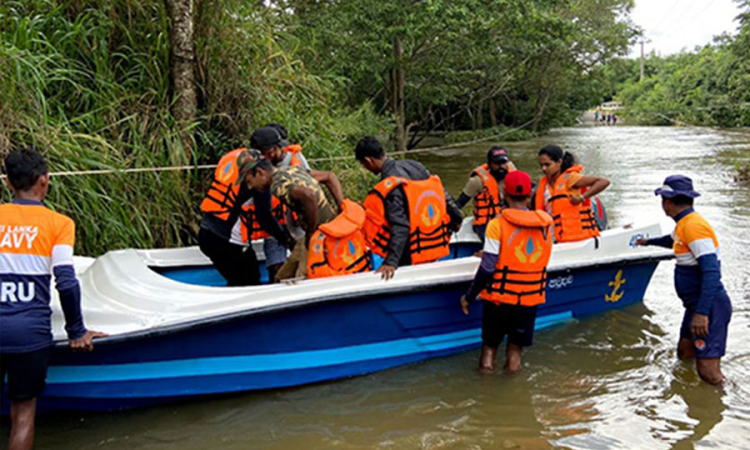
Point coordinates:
[(296, 151), (339, 247), (488, 203), (222, 194), (521, 271), (572, 222), (250, 227), (428, 218)]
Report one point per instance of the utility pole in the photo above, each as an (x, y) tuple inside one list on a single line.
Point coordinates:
[(643, 41)]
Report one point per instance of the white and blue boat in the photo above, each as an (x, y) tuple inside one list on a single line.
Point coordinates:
[(176, 334)]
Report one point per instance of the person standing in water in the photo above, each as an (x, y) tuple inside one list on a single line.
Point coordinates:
[(36, 244), (512, 275), (564, 192), (697, 279)]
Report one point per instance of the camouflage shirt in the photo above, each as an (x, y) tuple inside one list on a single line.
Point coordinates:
[(284, 181)]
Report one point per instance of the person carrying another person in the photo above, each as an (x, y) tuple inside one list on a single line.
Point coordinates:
[(511, 278), (303, 196), (697, 279), (565, 193), (485, 188), (409, 214), (35, 244), (271, 141), (233, 215)]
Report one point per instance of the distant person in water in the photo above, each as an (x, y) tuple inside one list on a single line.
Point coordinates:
[(697, 279), (485, 187), (614, 119), (596, 116), (512, 275), (565, 193)]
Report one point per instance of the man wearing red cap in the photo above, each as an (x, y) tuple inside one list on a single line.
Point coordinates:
[(512, 275)]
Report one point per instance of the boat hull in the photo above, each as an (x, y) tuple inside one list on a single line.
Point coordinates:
[(307, 343)]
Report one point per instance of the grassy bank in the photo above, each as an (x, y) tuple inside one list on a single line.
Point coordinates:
[(87, 83)]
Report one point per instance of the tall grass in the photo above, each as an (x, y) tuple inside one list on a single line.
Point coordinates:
[(87, 82)]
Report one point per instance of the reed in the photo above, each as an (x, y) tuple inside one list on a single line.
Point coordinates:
[(87, 82)]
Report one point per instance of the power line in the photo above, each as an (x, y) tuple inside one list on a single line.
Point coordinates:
[(690, 21), (332, 158), (669, 10)]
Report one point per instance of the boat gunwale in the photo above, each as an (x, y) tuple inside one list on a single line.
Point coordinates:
[(203, 322)]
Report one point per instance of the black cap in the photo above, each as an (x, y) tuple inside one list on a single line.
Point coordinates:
[(265, 138), (282, 132), (497, 154)]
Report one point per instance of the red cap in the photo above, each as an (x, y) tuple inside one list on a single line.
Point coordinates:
[(518, 183)]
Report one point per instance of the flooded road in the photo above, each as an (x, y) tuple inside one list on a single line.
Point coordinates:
[(610, 381)]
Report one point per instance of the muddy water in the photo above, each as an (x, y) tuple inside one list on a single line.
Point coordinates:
[(610, 381)]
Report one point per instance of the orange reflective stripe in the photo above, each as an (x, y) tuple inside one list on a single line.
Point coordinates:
[(572, 222), (339, 247), (487, 204), (428, 218), (525, 250)]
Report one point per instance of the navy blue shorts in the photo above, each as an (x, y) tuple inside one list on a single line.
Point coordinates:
[(27, 373), (515, 321), (715, 344)]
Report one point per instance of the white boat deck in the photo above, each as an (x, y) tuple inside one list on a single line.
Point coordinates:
[(122, 294)]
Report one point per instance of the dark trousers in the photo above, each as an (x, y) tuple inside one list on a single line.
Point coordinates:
[(236, 263)]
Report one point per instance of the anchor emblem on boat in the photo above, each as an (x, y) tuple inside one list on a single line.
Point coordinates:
[(616, 284)]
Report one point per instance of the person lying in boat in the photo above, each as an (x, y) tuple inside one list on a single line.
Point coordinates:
[(271, 141), (410, 216), (697, 279), (320, 225), (485, 188), (565, 192), (512, 275), (234, 216), (35, 244)]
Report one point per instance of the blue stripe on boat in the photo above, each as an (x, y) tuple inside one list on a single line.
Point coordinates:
[(276, 362)]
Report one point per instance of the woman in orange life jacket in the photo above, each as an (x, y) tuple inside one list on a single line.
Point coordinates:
[(512, 275), (395, 205), (271, 141), (220, 237), (485, 188), (565, 193)]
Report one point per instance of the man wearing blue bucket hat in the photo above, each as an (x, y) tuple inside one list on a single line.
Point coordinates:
[(697, 277)]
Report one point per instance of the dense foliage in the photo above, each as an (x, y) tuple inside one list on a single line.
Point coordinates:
[(88, 82), (708, 86)]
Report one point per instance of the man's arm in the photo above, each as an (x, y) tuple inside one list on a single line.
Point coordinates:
[(307, 202), (454, 211), (266, 219), (710, 282), (484, 275), (331, 181), (665, 241), (69, 290), (398, 221)]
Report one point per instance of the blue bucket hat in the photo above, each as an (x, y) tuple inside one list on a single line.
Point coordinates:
[(675, 185)]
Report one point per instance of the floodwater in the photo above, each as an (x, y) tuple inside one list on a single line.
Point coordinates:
[(608, 382)]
